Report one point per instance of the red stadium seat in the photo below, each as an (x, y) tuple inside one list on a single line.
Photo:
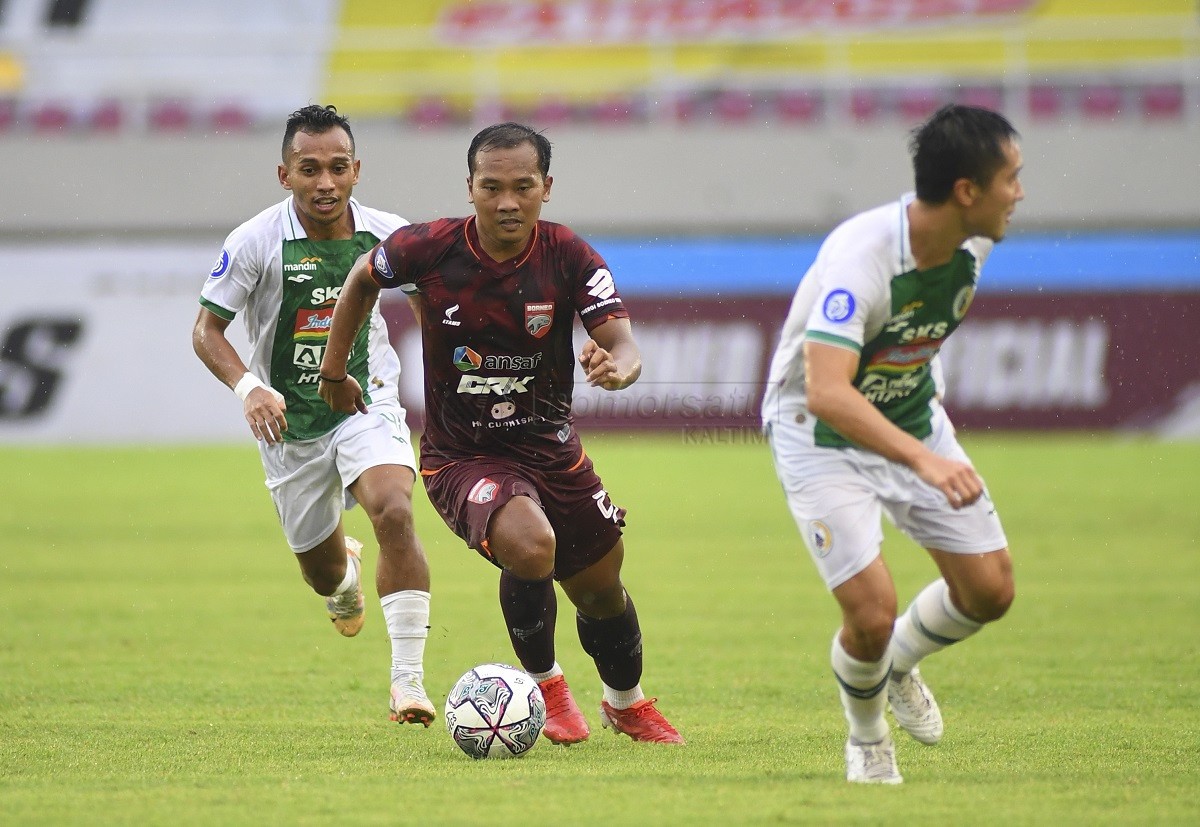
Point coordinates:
[(51, 117), (170, 116), (1045, 102), (865, 105), (918, 104), (1102, 101), (109, 116), (231, 118), (1162, 101), (799, 106)]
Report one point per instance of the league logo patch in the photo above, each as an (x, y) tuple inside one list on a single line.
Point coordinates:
[(466, 359), (962, 301), (839, 306), (538, 319), (381, 264), (820, 538), (221, 267), (483, 491)]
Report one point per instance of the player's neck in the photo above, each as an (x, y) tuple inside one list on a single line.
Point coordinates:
[(340, 230), (934, 233)]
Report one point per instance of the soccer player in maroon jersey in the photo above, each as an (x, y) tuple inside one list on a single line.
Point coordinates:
[(496, 295)]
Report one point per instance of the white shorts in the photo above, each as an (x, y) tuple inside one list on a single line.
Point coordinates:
[(836, 497), (309, 481)]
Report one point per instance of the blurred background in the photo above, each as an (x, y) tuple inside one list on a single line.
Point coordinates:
[(703, 147)]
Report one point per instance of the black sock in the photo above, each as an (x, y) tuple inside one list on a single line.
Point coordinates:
[(615, 643), (530, 609)]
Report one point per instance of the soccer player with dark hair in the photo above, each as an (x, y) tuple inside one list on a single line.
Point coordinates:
[(857, 429), (284, 268), (496, 295)]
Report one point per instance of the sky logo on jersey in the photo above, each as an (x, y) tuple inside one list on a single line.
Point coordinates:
[(538, 319), (466, 359), (381, 264), (313, 325), (839, 306), (221, 267)]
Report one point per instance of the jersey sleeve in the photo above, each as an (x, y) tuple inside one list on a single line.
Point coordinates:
[(236, 274), (853, 290), (389, 262), (595, 292)]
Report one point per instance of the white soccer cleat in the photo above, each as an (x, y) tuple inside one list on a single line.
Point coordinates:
[(872, 763), (346, 610), (915, 709), (409, 703)]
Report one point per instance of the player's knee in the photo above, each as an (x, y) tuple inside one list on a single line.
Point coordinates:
[(531, 557), (394, 523), (870, 632), (991, 603), (324, 582)]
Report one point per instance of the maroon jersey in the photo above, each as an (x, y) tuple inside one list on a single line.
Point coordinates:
[(496, 336)]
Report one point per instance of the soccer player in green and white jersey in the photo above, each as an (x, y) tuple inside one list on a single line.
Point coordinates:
[(283, 271), (856, 426)]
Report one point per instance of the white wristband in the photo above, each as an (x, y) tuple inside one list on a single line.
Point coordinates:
[(247, 383)]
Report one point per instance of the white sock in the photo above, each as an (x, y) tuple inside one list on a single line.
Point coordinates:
[(622, 699), (407, 616), (861, 685), (350, 581), (554, 672), (930, 624)]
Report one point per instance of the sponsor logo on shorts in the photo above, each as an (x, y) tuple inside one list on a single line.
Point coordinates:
[(610, 511), (221, 267), (839, 306), (820, 538), (466, 359), (483, 491), (538, 318)]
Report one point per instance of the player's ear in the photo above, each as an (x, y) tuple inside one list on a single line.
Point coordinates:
[(470, 191), (546, 189), (357, 167), (283, 177), (965, 191)]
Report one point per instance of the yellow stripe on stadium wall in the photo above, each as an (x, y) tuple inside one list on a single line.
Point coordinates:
[(389, 55)]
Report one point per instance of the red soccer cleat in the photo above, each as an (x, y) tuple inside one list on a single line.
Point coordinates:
[(564, 722), (641, 722)]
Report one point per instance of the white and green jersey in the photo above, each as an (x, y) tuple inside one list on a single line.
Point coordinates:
[(287, 285), (865, 294)]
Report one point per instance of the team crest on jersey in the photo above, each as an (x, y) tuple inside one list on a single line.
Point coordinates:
[(381, 264), (962, 301), (538, 318), (839, 305), (221, 267), (483, 491), (466, 359), (820, 538)]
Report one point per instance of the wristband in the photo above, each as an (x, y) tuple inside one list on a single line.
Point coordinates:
[(247, 383), (325, 378)]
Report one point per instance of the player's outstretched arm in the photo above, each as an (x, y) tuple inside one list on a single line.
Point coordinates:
[(828, 377), (263, 406), (337, 387), (611, 358)]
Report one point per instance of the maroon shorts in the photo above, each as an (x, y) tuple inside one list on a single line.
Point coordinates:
[(586, 524)]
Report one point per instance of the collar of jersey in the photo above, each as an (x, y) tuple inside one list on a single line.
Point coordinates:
[(471, 234)]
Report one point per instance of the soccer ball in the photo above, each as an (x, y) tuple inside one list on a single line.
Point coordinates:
[(495, 711)]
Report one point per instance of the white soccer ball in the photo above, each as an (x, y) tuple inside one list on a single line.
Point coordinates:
[(495, 711)]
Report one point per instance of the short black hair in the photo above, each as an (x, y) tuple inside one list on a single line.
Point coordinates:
[(314, 120), (506, 136), (958, 142)]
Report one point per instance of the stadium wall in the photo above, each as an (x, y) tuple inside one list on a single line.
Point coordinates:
[(1086, 332), (656, 180)]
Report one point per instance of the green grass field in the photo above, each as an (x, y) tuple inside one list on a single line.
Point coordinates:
[(161, 661)]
